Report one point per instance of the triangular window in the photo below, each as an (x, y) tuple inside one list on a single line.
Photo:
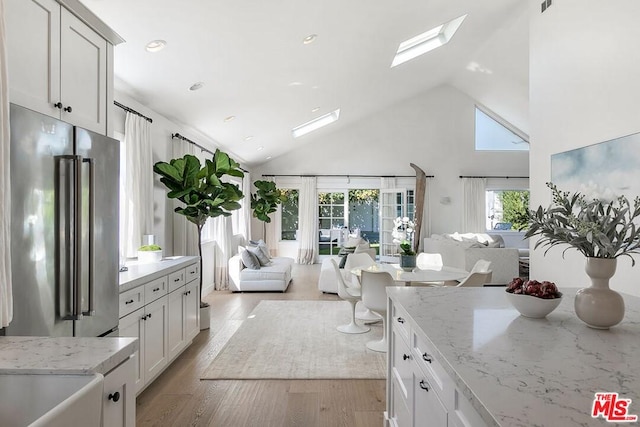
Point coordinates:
[(495, 134)]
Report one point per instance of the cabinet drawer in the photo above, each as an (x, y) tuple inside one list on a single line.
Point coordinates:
[(431, 367), (399, 408), (428, 409), (193, 272), (176, 280), (155, 289), (400, 320), (464, 414), (131, 300)]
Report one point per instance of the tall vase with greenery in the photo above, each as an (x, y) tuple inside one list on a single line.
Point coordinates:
[(265, 201), (602, 231), (201, 189)]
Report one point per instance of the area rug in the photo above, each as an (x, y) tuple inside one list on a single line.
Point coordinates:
[(298, 340)]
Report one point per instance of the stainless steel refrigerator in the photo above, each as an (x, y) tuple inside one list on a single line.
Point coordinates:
[(64, 228)]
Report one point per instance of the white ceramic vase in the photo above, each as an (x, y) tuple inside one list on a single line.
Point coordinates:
[(598, 306)]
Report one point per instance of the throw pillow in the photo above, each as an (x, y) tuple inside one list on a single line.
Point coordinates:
[(262, 258), (249, 260), (265, 250)]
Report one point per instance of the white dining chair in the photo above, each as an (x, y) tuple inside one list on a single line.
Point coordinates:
[(477, 278), (426, 260), (360, 260), (374, 297), (352, 296)]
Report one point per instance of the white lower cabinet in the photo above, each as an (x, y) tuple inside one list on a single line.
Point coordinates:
[(420, 393), (119, 400), (165, 324)]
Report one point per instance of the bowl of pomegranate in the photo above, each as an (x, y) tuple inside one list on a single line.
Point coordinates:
[(532, 298)]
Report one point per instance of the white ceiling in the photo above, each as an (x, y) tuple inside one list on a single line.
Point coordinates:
[(249, 53)]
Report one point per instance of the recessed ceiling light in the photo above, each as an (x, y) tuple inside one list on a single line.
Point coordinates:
[(315, 110), (260, 148), (155, 45), (315, 124), (248, 138), (310, 39), (196, 86), (295, 84), (268, 157), (229, 118), (427, 41)]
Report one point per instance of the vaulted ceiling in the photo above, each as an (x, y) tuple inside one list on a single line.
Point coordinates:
[(251, 59)]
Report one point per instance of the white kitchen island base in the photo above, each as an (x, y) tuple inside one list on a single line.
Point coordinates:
[(465, 357)]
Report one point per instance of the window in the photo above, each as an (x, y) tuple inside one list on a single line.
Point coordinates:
[(289, 214), (496, 134), (507, 209)]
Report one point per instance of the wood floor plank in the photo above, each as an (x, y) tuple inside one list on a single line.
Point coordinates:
[(179, 398)]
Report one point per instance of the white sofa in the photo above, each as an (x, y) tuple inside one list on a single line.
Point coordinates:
[(273, 277), (463, 250)]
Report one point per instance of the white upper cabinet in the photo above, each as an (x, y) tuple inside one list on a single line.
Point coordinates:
[(58, 65)]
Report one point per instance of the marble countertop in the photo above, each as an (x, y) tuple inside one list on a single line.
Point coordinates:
[(63, 355), (518, 371), (137, 274)]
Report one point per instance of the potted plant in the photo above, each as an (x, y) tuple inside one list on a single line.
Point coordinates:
[(149, 254), (201, 189), (602, 230), (403, 235), (265, 201)]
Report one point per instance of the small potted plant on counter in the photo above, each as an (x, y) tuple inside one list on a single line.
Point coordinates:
[(149, 254)]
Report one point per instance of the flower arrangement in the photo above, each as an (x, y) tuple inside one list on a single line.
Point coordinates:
[(403, 234), (596, 228)]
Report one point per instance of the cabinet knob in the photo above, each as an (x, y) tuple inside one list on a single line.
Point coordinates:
[(400, 320), (149, 315), (144, 317), (427, 357), (405, 357), (424, 385), (58, 105), (114, 396), (68, 109)]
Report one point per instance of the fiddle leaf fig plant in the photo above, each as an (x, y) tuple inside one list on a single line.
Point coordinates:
[(201, 189), (265, 201)]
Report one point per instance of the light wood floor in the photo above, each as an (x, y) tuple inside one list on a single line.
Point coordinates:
[(179, 398)]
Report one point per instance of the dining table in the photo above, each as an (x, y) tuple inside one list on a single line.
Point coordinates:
[(431, 274)]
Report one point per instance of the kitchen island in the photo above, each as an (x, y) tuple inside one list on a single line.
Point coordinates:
[(483, 363), (46, 376)]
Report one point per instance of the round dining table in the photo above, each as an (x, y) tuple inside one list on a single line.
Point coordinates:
[(417, 275)]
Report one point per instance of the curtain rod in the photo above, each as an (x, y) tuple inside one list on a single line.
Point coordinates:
[(350, 176), (504, 177), (132, 111), (184, 138)]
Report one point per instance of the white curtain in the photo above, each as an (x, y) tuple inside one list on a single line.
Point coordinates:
[(6, 297), (136, 199), (308, 221), (474, 205), (222, 234), (185, 233), (425, 227), (245, 211)]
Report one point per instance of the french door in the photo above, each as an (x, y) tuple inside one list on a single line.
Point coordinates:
[(333, 221), (394, 203)]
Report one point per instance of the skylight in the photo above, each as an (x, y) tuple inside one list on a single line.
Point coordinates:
[(427, 41), (496, 134), (315, 124)]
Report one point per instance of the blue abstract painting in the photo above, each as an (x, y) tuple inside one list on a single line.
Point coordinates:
[(603, 171)]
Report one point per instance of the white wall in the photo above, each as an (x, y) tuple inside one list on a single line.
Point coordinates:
[(584, 89), (434, 130)]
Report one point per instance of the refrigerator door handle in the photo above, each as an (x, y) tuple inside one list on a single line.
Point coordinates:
[(77, 234), (92, 182), (72, 228)]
